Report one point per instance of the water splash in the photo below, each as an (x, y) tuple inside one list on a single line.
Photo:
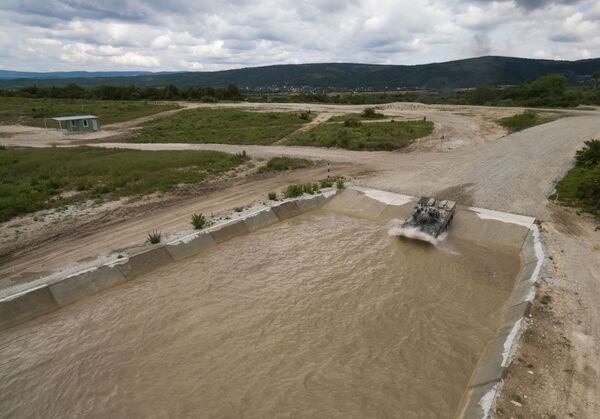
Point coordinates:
[(396, 230)]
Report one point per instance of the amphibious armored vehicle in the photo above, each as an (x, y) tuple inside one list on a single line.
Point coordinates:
[(431, 216)]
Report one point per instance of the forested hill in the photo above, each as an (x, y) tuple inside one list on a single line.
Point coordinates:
[(453, 74)]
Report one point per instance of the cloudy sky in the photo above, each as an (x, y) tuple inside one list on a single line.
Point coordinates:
[(49, 35)]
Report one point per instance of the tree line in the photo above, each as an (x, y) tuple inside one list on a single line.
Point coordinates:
[(170, 92), (551, 90)]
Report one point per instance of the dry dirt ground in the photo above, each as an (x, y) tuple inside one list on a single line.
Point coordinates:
[(468, 158)]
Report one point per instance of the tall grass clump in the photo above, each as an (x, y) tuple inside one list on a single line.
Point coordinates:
[(325, 183), (293, 191), (272, 196), (308, 188), (339, 183), (198, 221), (154, 236)]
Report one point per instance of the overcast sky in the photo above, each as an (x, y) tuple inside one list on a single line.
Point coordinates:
[(49, 35)]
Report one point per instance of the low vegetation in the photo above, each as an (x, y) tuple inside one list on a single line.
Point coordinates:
[(524, 120), (223, 126), (293, 191), (198, 221), (169, 92), (31, 112), (372, 136), (366, 114), (272, 196), (154, 237), (36, 179), (581, 186), (285, 163)]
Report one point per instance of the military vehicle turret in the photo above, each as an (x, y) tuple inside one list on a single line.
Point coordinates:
[(430, 216)]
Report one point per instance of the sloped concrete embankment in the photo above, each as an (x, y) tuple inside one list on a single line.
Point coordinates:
[(63, 290)]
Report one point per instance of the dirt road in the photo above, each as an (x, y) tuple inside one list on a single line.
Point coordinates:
[(514, 173)]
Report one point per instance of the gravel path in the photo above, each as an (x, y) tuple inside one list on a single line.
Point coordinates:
[(514, 173)]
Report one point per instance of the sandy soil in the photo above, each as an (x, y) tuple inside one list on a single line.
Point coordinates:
[(468, 159), (557, 370)]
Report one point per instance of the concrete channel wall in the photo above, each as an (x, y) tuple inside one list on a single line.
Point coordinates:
[(475, 224), (61, 290)]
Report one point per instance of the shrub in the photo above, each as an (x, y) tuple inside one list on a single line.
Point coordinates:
[(154, 237), (371, 114), (272, 196), (308, 188), (305, 116), (325, 183), (198, 221), (339, 184), (293, 191), (368, 112), (589, 155)]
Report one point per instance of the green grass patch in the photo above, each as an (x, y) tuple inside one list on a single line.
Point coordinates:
[(366, 114), (285, 163), (293, 191), (581, 186), (222, 126), (373, 136), (523, 121), (31, 112), (35, 179)]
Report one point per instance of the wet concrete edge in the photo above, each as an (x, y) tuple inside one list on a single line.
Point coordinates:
[(487, 380)]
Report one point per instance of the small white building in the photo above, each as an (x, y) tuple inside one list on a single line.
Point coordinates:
[(78, 123)]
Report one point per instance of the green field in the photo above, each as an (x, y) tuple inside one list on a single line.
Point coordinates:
[(372, 136), (523, 121), (25, 111), (35, 179), (581, 186), (222, 126)]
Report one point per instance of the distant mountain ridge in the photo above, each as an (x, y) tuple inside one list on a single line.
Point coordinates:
[(12, 75), (465, 73)]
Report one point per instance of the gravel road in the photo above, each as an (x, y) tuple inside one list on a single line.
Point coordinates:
[(515, 173)]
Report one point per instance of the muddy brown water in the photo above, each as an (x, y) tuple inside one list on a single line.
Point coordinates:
[(323, 315)]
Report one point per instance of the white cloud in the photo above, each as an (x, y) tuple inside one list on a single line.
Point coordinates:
[(208, 35)]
